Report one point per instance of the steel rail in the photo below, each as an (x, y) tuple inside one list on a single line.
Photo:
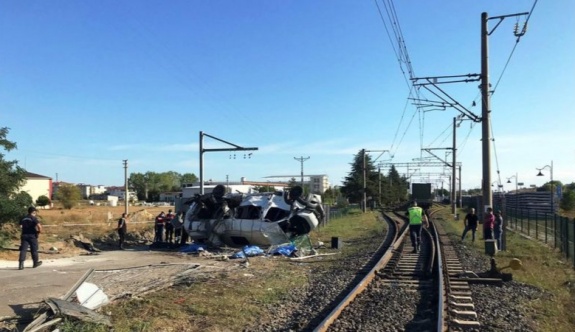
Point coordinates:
[(441, 298), (361, 286)]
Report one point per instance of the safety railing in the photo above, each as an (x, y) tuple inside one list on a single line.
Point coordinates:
[(550, 228)]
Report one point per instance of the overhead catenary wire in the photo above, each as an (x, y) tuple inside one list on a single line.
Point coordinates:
[(514, 47), (405, 65), (497, 84)]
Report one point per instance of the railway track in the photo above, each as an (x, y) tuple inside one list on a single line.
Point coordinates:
[(403, 290)]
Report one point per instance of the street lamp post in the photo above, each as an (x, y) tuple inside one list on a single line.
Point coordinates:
[(552, 187), (516, 188), (516, 182)]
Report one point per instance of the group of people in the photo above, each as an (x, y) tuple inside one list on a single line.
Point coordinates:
[(31, 228), (168, 227), (492, 225)]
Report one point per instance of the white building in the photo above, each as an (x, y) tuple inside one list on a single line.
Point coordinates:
[(316, 183), (37, 185), (120, 192)]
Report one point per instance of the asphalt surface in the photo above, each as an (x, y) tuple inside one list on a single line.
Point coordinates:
[(22, 290)]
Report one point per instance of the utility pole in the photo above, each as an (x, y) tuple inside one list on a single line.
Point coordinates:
[(126, 192), (301, 160)]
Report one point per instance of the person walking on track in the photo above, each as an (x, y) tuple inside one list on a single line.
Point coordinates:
[(416, 218)]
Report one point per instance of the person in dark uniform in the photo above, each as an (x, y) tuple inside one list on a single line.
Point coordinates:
[(122, 229), (29, 238)]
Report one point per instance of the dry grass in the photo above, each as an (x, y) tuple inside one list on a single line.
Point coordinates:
[(91, 221), (544, 268)]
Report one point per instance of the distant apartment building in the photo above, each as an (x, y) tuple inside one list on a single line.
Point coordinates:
[(37, 185), (316, 183), (89, 191), (120, 192)]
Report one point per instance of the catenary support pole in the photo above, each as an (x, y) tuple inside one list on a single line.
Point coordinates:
[(485, 115), (454, 168)]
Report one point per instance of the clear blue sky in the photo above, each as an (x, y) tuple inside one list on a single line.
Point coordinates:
[(87, 84)]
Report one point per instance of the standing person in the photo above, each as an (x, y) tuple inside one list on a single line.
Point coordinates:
[(122, 229), (498, 228), (470, 223), (159, 227), (169, 227), (416, 218), (185, 235), (178, 222), (488, 224), (29, 238)]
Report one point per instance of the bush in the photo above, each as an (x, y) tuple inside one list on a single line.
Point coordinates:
[(43, 201)]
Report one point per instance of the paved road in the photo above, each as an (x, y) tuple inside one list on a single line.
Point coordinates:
[(21, 290)]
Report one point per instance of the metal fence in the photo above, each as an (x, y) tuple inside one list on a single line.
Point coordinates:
[(550, 228)]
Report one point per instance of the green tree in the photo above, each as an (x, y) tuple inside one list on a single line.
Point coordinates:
[(170, 181), (329, 196), (397, 186), (43, 201), (352, 187), (137, 182), (188, 178), (550, 186), (568, 200), (12, 178), (570, 186), (68, 195)]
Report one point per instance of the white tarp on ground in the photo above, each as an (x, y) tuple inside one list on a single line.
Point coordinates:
[(91, 296)]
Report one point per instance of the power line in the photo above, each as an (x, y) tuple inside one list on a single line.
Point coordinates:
[(519, 35)]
